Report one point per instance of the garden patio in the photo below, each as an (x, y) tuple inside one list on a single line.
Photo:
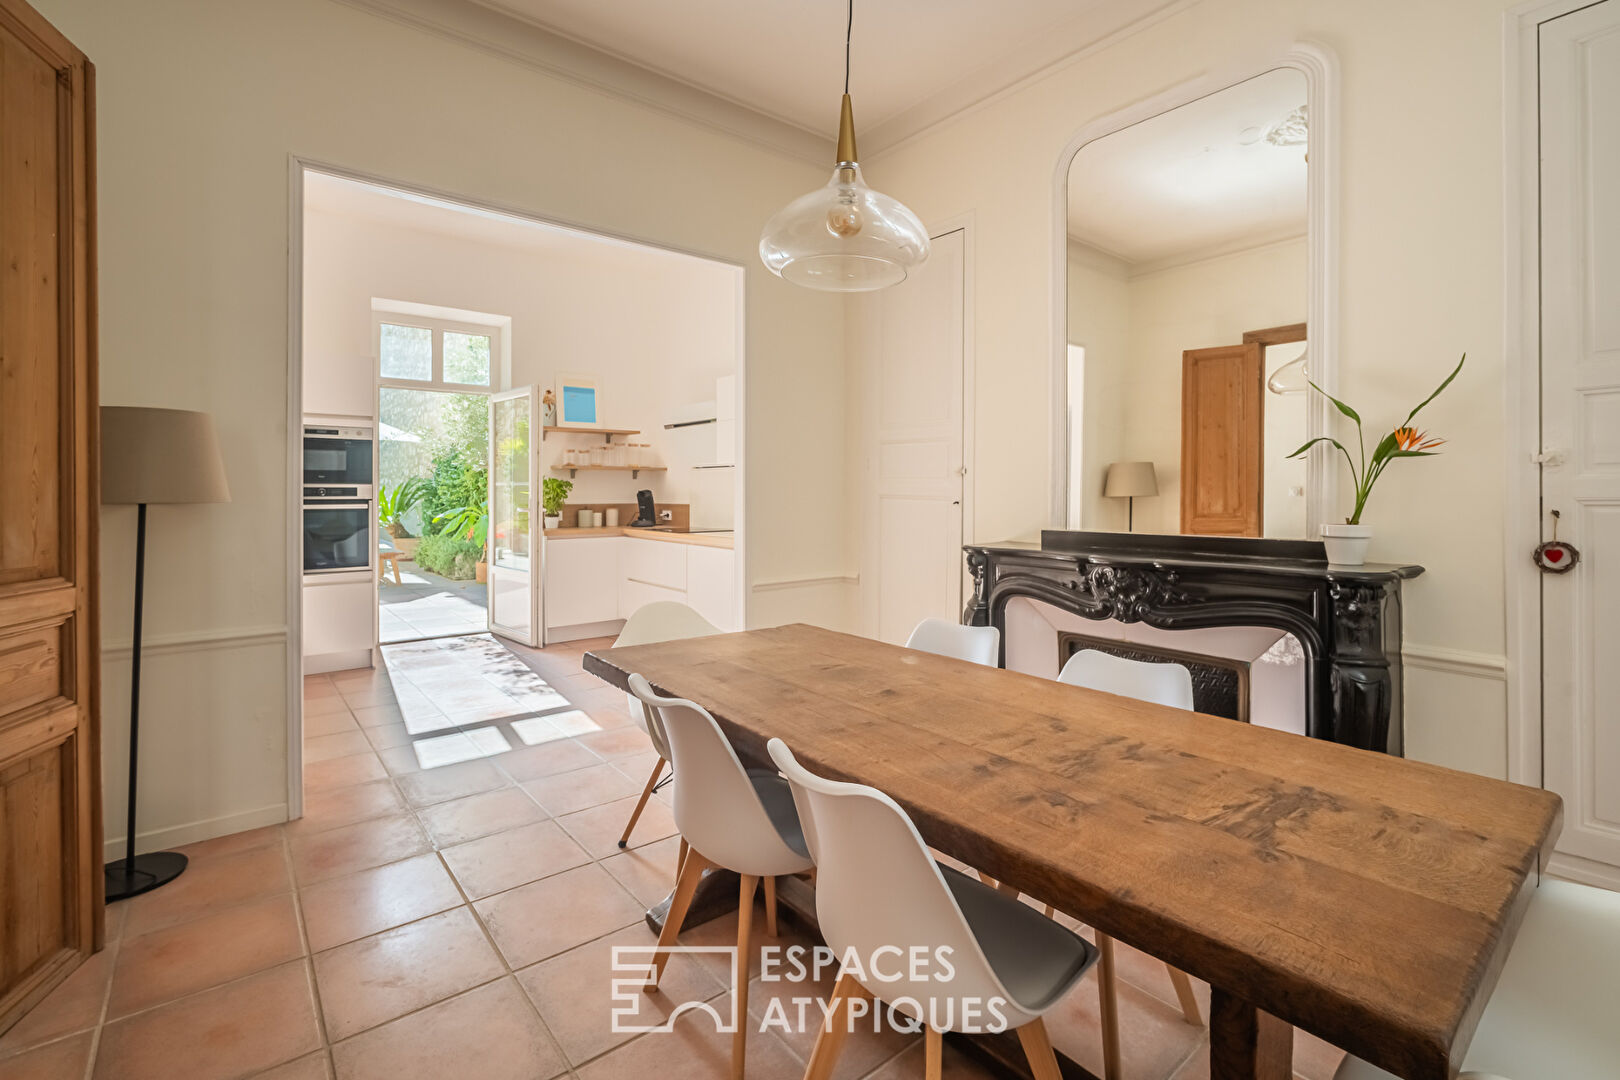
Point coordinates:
[(428, 605)]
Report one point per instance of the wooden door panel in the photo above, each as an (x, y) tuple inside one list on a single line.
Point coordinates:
[(30, 350), (50, 827), (1222, 433)]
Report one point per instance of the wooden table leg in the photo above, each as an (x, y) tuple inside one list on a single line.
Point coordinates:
[(1245, 1043)]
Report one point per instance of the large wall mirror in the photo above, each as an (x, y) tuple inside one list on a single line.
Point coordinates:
[(1188, 314)]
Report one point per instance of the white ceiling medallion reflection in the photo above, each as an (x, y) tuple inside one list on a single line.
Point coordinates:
[(1291, 130), (844, 237)]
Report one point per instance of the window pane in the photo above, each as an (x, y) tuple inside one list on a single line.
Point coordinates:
[(510, 514), (466, 358), (407, 352)]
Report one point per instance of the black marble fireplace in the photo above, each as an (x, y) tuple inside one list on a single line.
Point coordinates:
[(1347, 619)]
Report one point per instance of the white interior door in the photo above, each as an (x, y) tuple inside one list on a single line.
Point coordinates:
[(1580, 415), (916, 405), (514, 533)]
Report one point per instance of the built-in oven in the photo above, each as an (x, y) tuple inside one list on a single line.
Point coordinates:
[(337, 455), (337, 529)]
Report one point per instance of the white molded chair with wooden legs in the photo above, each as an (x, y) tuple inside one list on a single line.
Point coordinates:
[(878, 890), (1162, 684), (1554, 1011), (731, 818), (977, 644), (662, 620)]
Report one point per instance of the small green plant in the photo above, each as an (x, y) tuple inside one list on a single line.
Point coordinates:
[(554, 493), (468, 522), (1405, 441), (449, 555), (393, 504)]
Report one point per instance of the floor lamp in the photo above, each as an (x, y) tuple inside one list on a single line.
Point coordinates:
[(152, 456), (1130, 480)]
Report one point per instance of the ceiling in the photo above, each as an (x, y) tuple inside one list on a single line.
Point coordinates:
[(785, 58), (1196, 181)]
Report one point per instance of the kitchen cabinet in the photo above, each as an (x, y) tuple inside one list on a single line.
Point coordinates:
[(595, 580), (711, 585), (582, 581)]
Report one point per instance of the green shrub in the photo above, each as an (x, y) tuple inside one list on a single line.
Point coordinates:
[(456, 482), (448, 555)]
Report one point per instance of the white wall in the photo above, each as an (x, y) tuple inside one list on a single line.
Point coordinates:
[(199, 106), (1420, 273), (1099, 311), (1197, 306), (654, 329)]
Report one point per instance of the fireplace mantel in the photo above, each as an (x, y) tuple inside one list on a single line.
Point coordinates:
[(1347, 619)]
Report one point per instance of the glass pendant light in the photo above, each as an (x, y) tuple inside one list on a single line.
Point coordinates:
[(844, 237), (1291, 378)]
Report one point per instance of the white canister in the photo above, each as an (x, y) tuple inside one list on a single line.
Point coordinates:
[(613, 516), (596, 519), (583, 519)]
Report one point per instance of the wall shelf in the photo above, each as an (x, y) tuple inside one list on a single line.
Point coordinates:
[(633, 470), (605, 432)]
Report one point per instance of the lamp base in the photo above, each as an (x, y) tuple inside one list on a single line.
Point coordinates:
[(151, 870)]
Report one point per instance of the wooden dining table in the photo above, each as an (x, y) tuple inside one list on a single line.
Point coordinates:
[(1368, 899)]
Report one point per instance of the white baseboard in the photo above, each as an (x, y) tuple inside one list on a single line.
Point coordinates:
[(1586, 871), (556, 635), (191, 832), (345, 661)]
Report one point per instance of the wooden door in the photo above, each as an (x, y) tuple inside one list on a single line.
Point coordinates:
[(1580, 418), (50, 773), (917, 407), (1222, 433)]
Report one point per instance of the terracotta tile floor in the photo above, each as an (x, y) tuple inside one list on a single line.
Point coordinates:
[(447, 906)]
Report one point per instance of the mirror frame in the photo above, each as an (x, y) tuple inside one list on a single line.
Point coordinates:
[(1320, 68)]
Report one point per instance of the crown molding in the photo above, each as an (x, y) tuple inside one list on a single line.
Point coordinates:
[(469, 23), (1010, 74)]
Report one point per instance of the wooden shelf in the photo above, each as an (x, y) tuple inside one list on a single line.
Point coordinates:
[(633, 470), (604, 431)]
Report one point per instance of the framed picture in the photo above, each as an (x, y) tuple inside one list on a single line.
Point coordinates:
[(578, 403)]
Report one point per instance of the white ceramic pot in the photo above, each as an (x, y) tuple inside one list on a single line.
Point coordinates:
[(553, 522), (1346, 544)]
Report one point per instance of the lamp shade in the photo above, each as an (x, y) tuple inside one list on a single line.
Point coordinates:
[(160, 456), (1130, 479)]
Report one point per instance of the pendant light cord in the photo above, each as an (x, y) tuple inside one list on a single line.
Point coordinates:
[(849, 30)]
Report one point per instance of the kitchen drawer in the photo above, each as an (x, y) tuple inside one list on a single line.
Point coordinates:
[(654, 562), (638, 594)]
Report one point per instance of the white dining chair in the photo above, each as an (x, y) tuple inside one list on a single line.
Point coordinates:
[(879, 890), (978, 644), (662, 620), (730, 818), (1162, 684), (1553, 1013)]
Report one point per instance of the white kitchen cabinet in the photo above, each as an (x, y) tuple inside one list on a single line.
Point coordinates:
[(655, 562), (582, 580), (634, 595), (711, 585)]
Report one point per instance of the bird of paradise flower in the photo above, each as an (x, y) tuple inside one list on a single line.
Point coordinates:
[(1404, 441)]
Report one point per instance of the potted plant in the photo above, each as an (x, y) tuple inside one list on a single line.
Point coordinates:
[(1347, 544), (392, 506), (471, 523), (553, 494)]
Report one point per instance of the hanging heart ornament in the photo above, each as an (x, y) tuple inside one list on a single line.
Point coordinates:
[(1557, 557)]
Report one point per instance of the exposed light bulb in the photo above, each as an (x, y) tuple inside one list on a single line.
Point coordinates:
[(844, 218)]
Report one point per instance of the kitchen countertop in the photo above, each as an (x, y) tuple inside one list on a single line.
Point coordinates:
[(699, 539)]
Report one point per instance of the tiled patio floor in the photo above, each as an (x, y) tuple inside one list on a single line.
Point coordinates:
[(447, 906), (427, 605)]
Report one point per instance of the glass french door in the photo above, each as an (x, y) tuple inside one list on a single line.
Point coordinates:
[(514, 488)]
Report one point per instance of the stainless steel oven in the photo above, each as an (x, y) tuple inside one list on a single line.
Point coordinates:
[(338, 455), (337, 529)]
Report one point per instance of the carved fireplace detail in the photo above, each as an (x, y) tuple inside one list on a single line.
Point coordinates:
[(1347, 619)]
